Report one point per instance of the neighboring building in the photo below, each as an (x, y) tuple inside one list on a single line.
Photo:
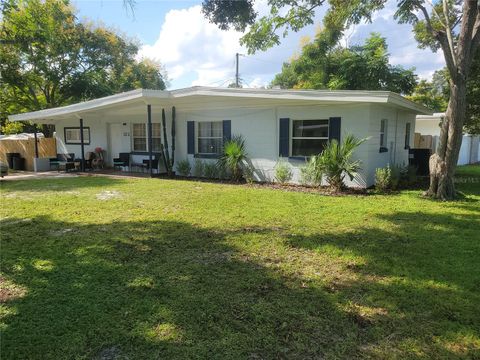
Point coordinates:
[(429, 125), (292, 124)]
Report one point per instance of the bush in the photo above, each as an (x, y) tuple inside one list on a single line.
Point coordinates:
[(311, 174), (336, 161), (210, 170), (249, 174), (383, 179), (234, 156), (184, 168), (283, 172), (198, 168)]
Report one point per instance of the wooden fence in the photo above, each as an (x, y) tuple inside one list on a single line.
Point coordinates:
[(47, 148)]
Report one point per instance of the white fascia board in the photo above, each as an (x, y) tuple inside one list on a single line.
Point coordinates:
[(398, 100), (150, 96), (79, 107)]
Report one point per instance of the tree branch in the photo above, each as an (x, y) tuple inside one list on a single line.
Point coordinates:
[(442, 39), (448, 30)]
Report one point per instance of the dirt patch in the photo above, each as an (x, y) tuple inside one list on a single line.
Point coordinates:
[(108, 195), (10, 291)]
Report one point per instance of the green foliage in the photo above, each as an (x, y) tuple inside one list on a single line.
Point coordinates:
[(249, 174), (427, 94), (12, 127), (383, 179), (336, 161), (311, 173), (283, 172), (234, 156), (184, 167), (198, 168), (395, 177), (49, 58), (210, 170), (322, 65)]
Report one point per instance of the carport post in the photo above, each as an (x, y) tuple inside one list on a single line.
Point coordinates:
[(36, 140), (150, 142), (82, 146)]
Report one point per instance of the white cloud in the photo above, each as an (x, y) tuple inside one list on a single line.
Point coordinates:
[(196, 52)]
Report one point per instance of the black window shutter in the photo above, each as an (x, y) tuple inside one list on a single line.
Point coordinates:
[(284, 141), (227, 130), (334, 128), (190, 137)]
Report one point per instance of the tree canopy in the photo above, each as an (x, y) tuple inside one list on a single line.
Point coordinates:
[(361, 67), (48, 58)]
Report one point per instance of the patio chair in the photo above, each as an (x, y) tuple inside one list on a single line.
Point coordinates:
[(65, 161), (123, 160), (90, 156), (146, 164)]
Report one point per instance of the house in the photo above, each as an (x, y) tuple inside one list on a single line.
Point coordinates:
[(291, 124), (428, 127)]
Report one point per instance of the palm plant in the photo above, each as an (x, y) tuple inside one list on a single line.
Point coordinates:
[(234, 156), (336, 161)]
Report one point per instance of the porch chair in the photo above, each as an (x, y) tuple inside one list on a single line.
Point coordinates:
[(123, 160), (146, 164)]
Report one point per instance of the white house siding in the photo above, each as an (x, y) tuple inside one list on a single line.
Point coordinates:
[(260, 127), (396, 154)]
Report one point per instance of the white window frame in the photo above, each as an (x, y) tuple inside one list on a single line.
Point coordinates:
[(307, 137), (156, 137), (146, 137), (383, 133), (198, 137)]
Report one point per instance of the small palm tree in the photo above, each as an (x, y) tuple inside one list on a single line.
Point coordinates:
[(336, 161), (234, 156)]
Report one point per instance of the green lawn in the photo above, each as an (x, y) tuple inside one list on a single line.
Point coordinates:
[(146, 268)]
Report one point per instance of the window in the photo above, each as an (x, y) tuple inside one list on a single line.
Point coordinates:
[(309, 137), (156, 137), (72, 135), (383, 133), (210, 137), (139, 132), (407, 136), (140, 139)]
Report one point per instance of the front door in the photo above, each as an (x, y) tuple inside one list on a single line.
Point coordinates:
[(119, 140)]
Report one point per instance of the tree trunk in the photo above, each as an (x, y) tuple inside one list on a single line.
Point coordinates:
[(444, 162)]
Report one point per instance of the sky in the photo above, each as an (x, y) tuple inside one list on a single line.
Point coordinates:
[(195, 52)]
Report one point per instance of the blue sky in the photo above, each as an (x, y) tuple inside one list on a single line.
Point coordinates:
[(195, 52)]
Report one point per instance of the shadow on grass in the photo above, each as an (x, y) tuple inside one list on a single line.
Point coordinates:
[(155, 289), (422, 273), (172, 290)]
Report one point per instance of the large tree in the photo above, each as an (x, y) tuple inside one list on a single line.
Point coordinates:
[(48, 58), (450, 25), (361, 67)]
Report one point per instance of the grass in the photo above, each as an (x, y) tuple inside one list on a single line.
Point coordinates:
[(145, 268)]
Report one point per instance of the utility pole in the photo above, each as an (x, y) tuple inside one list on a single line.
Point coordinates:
[(236, 71)]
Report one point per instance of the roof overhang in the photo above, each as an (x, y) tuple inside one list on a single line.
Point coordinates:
[(155, 96)]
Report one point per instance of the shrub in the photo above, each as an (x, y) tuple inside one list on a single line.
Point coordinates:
[(184, 168), (336, 161), (249, 174), (311, 173), (383, 178), (234, 157), (210, 170), (198, 168), (283, 172)]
